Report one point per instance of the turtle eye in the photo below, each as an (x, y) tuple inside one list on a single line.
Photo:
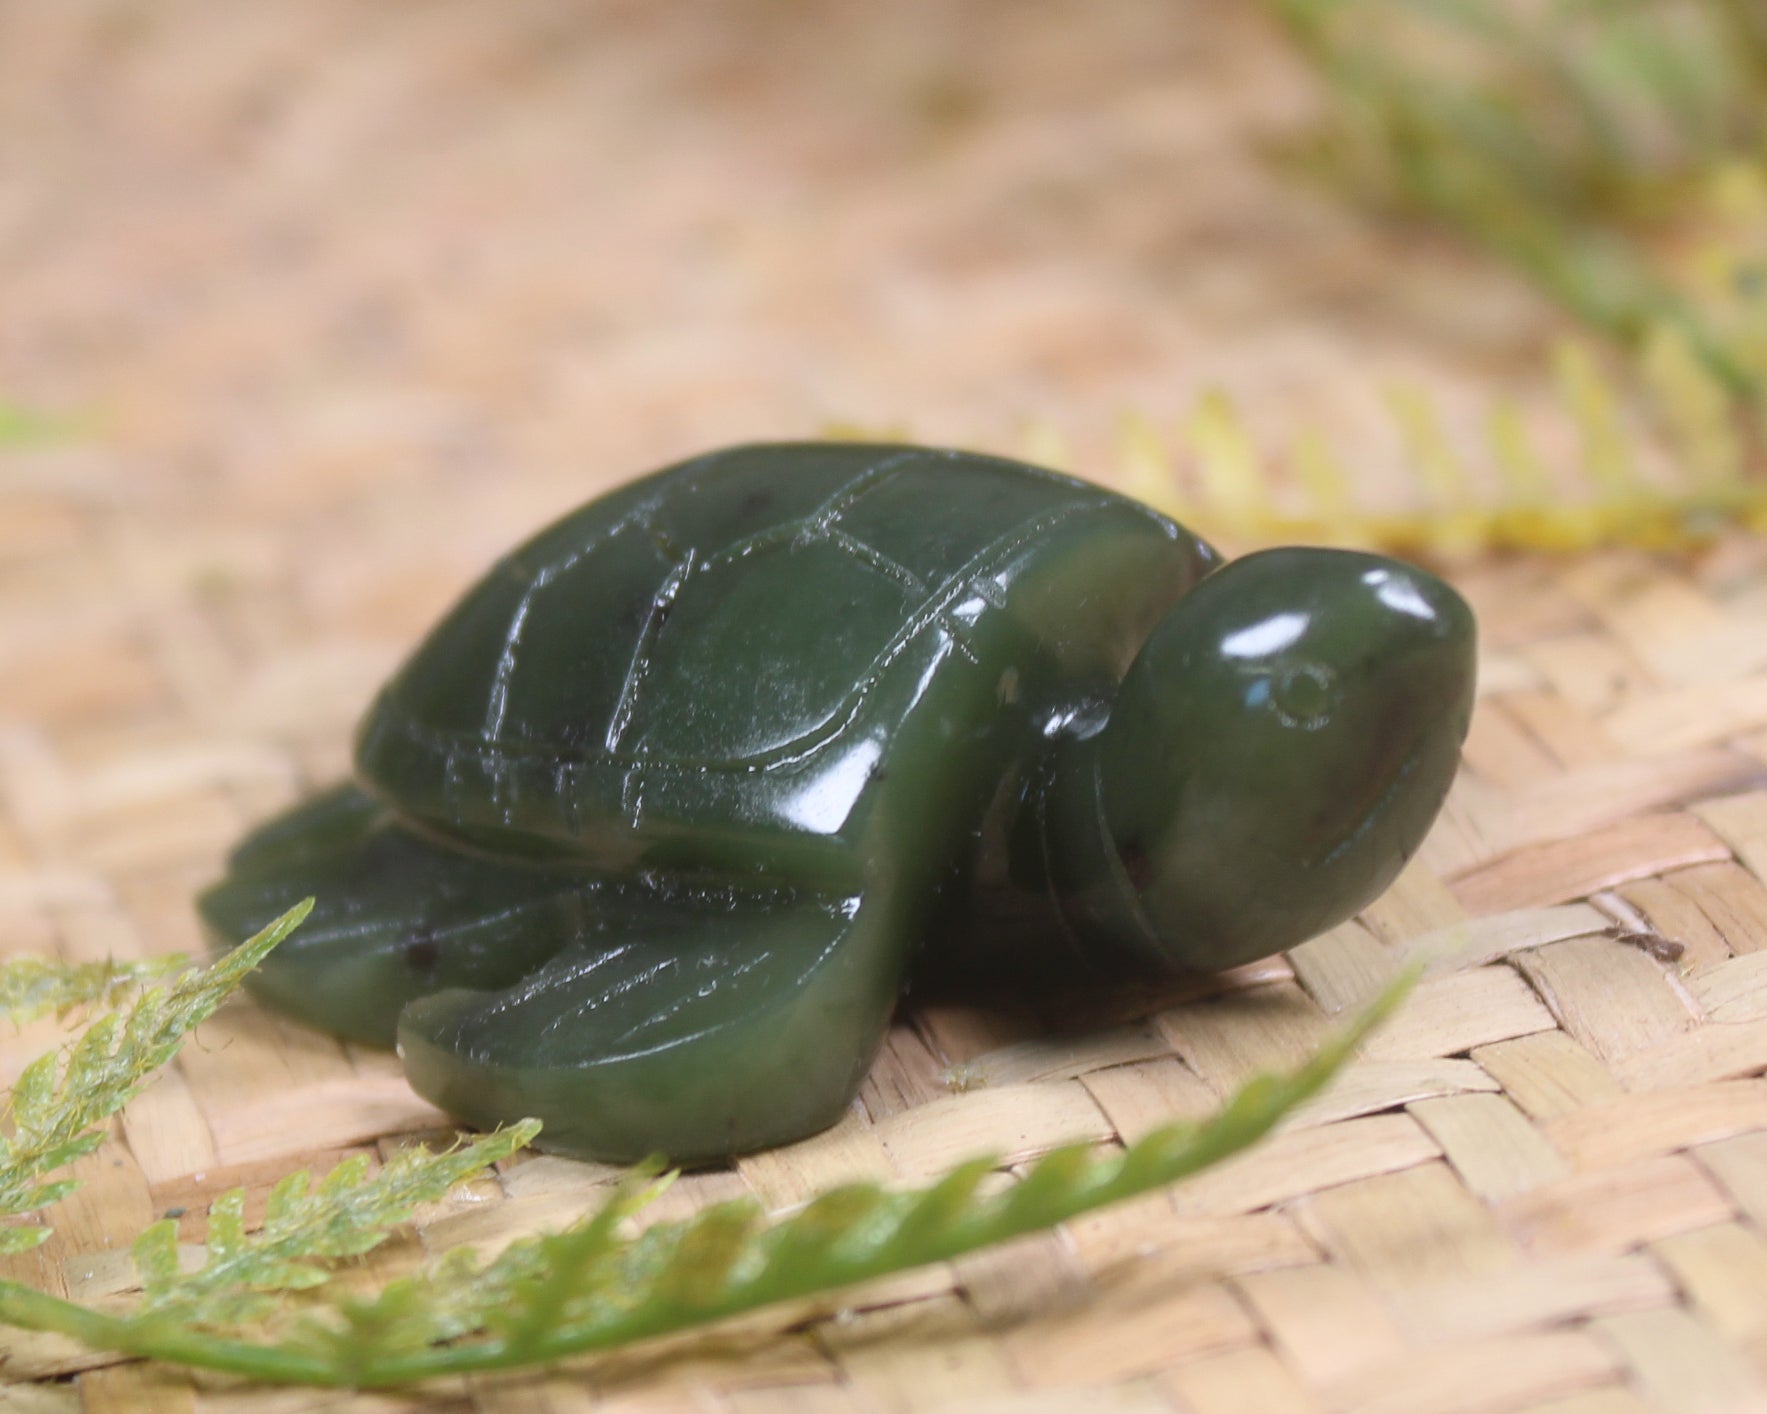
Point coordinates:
[(1304, 695)]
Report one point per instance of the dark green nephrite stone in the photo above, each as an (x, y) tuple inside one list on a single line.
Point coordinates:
[(648, 833)]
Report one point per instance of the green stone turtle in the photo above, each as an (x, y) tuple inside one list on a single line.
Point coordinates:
[(646, 834)]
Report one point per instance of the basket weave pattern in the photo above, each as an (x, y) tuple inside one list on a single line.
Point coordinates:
[(1544, 1185), (354, 294)]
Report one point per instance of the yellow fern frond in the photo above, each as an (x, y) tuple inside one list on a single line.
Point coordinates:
[(1230, 475), (1044, 445), (1695, 405), (1446, 481), (1324, 481), (1594, 403), (1235, 494), (1145, 467), (848, 430), (1523, 476)]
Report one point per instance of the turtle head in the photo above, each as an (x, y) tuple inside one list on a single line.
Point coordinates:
[(1278, 750)]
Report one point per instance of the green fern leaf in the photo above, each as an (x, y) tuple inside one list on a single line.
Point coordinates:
[(349, 1212), (592, 1286), (59, 1106), (33, 1097), (31, 987), (26, 427), (286, 1195), (535, 1285), (21, 1239), (156, 1253)]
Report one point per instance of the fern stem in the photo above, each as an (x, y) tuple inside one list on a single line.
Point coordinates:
[(659, 1285), (181, 1345)]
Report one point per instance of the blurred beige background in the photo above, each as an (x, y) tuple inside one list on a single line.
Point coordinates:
[(341, 299), (318, 250)]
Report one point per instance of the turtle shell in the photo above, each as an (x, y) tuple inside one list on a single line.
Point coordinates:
[(678, 790), (643, 662)]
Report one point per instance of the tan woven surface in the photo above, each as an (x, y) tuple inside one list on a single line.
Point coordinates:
[(351, 296)]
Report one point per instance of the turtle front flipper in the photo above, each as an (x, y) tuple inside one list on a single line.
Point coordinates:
[(396, 916), (716, 1024)]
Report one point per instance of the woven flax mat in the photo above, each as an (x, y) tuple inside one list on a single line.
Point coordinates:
[(1544, 1186), (356, 297)]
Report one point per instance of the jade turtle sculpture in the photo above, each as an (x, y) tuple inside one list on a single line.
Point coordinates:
[(646, 834)]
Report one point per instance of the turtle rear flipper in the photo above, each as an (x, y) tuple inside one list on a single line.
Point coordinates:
[(395, 915), (706, 1025)]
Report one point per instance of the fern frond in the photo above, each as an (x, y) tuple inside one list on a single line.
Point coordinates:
[(31, 987), (1226, 459), (1594, 403), (62, 1099), (1324, 483), (1451, 518), (1699, 415), (592, 1286), (25, 427), (1576, 142), (349, 1212), (520, 1299), (1243, 498), (1145, 465), (1043, 443)]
